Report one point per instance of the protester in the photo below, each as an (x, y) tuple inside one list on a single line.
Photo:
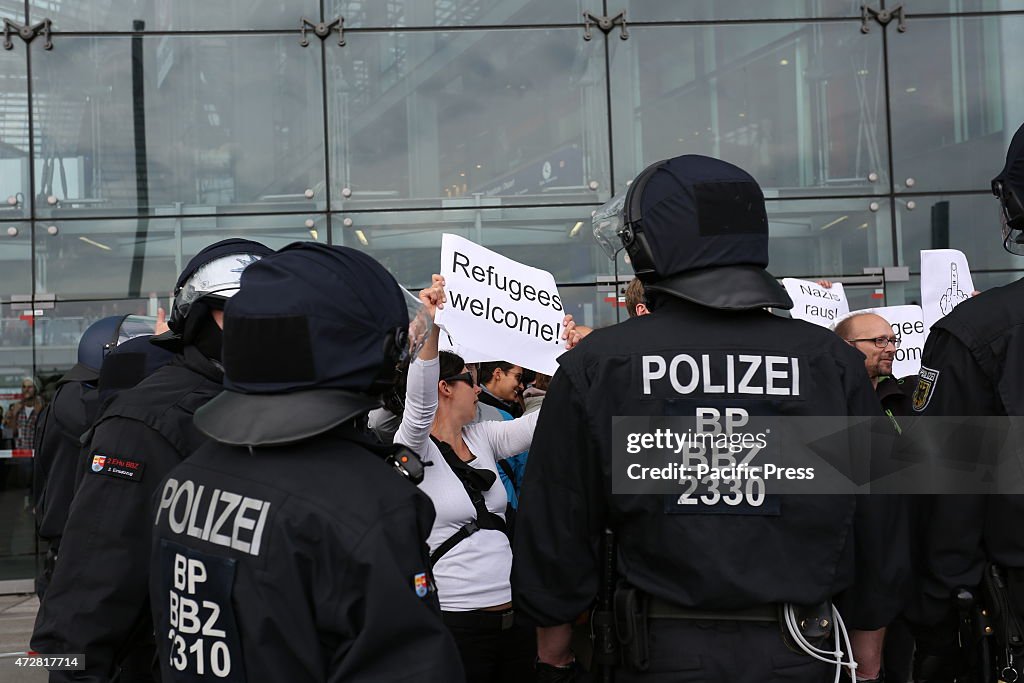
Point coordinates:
[(469, 549), (636, 300), (872, 335), (501, 386)]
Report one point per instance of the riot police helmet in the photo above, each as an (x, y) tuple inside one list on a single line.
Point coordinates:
[(696, 228), (313, 339), (1008, 187), (100, 338), (211, 277)]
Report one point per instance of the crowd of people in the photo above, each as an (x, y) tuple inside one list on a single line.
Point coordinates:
[(294, 482)]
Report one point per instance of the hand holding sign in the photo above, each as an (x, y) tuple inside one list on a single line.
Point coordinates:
[(821, 303), (433, 297), (572, 333), (953, 295), (500, 309)]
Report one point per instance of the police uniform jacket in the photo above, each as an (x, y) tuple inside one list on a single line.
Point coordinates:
[(97, 602), (973, 365), (797, 548), (58, 447), (305, 562)]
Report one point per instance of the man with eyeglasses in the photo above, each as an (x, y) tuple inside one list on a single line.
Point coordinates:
[(872, 335), (973, 365)]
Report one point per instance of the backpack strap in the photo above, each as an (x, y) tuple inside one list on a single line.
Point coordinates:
[(475, 482)]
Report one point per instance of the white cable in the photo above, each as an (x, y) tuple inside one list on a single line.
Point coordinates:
[(834, 657)]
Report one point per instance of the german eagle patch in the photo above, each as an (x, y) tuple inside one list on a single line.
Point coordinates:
[(927, 378)]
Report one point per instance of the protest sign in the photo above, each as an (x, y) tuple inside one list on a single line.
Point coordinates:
[(510, 311), (908, 325), (448, 343), (945, 282), (814, 303)]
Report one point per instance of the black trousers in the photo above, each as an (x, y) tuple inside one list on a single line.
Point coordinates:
[(492, 655), (691, 651)]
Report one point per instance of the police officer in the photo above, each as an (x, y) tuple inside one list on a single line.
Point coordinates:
[(972, 365), (701, 580), (60, 428), (97, 603), (290, 548)]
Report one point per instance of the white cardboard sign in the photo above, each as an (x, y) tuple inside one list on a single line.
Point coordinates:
[(907, 323), (448, 343), (814, 303), (945, 283), (500, 308)]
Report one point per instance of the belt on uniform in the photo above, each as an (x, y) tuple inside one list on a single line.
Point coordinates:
[(660, 609), (480, 619)]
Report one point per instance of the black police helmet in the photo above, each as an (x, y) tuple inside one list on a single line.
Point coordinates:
[(696, 228), (99, 339), (129, 363), (311, 340), (96, 341), (1008, 186), (211, 276)]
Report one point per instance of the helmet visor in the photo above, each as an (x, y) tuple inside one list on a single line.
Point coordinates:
[(1011, 216), (135, 326), (221, 277), (420, 326), (608, 222)]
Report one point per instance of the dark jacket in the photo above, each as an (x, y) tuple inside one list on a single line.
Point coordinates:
[(973, 365), (316, 563), (797, 548), (98, 602)]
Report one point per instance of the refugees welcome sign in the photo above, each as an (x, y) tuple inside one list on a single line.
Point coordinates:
[(500, 309)]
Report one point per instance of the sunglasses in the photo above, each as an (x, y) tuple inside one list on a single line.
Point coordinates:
[(466, 377)]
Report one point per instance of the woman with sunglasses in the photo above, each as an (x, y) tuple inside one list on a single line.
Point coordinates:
[(470, 551)]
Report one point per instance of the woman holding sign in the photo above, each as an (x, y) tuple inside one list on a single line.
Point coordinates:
[(469, 550)]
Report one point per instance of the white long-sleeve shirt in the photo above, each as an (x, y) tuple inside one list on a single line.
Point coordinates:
[(475, 573)]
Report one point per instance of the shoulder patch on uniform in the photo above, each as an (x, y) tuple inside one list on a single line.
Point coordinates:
[(421, 583), (121, 468), (927, 378)]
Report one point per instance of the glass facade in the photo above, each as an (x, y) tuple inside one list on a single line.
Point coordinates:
[(136, 132)]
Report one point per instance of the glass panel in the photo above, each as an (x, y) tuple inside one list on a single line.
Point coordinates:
[(59, 329), (174, 15), (799, 106), (969, 223), (231, 122), (15, 260), (13, 10), (513, 116), (817, 238), (17, 531), (408, 243), (403, 13), (709, 10), (590, 306), (14, 167), (955, 100), (956, 6), (116, 258)]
